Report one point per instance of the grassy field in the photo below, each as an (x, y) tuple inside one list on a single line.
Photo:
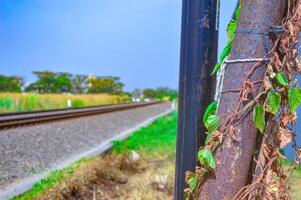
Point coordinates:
[(121, 175), (17, 102)]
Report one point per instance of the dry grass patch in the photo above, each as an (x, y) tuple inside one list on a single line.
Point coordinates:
[(117, 177)]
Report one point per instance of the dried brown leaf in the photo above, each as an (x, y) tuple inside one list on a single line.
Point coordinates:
[(233, 134), (285, 136), (218, 136), (188, 174), (274, 187), (198, 169), (246, 90), (266, 151), (267, 85), (275, 61), (294, 54), (285, 120), (269, 176), (290, 28)]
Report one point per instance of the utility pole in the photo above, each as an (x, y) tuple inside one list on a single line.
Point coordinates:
[(233, 158), (196, 86)]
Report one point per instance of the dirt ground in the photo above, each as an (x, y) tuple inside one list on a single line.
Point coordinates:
[(117, 177)]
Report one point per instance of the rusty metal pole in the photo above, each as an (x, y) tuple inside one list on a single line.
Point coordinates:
[(233, 159), (198, 57)]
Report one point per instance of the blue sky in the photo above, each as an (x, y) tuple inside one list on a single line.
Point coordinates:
[(138, 40)]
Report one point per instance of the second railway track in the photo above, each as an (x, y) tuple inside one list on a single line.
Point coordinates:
[(10, 120)]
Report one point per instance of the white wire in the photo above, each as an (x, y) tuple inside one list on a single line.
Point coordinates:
[(246, 60)]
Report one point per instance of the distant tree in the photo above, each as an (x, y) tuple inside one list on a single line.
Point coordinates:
[(149, 93), (159, 93), (127, 94), (11, 83), (137, 93), (80, 84), (162, 92), (51, 82), (64, 82), (109, 85), (44, 84)]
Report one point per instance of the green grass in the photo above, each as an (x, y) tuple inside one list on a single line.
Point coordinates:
[(160, 136), (77, 103)]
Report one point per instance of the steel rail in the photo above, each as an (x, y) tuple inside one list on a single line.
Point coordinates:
[(5, 114), (9, 120)]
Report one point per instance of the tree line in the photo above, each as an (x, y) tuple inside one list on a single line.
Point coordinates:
[(158, 93), (62, 82)]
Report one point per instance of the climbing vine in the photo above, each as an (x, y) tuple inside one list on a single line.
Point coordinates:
[(231, 34), (274, 115)]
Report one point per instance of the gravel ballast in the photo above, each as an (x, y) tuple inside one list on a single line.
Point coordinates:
[(30, 150)]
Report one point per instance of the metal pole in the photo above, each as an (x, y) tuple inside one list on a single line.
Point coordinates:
[(196, 87), (234, 158)]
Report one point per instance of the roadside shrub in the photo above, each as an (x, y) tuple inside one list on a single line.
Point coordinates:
[(6, 104), (77, 103), (29, 102)]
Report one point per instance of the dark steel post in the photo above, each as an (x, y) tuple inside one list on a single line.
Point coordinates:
[(198, 56)]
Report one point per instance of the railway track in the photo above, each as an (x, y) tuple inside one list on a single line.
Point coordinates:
[(30, 152), (9, 120)]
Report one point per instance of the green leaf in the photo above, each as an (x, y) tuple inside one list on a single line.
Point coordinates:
[(216, 68), (294, 98), (206, 158), (212, 123), (237, 13), (259, 118), (226, 51), (273, 102), (208, 138), (210, 110), (282, 79), (231, 29), (192, 182)]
